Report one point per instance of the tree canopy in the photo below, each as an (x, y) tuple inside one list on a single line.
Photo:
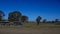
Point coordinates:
[(24, 18), (14, 16), (1, 15)]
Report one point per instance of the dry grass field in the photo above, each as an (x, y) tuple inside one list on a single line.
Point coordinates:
[(30, 29)]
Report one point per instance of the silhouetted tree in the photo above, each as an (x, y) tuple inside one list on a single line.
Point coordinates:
[(10, 17), (1, 15), (44, 21), (53, 21), (24, 18), (14, 16), (38, 20), (56, 20)]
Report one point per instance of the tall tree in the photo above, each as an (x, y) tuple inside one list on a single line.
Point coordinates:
[(14, 16), (38, 20), (1, 15), (10, 17), (24, 18)]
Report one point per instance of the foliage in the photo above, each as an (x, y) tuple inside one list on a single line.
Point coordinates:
[(1, 15), (24, 18), (44, 21), (58, 23), (56, 20), (38, 20), (14, 16)]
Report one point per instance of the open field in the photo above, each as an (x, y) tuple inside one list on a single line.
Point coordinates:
[(30, 29)]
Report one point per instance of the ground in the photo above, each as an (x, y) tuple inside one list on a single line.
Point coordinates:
[(30, 29)]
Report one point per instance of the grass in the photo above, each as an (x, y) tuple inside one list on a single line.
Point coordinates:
[(57, 23), (33, 25)]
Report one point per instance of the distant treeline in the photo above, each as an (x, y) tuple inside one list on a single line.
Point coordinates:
[(17, 16)]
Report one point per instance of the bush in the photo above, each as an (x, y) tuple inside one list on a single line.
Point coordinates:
[(57, 23)]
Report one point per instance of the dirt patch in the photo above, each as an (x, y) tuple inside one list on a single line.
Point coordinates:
[(29, 31)]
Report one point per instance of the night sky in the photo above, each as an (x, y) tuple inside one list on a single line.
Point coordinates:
[(47, 9)]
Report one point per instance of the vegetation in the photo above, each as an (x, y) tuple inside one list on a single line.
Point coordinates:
[(44, 21), (38, 20), (17, 16), (1, 15), (56, 20), (14, 16), (24, 18)]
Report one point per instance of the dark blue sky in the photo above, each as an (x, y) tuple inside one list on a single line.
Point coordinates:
[(47, 9)]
